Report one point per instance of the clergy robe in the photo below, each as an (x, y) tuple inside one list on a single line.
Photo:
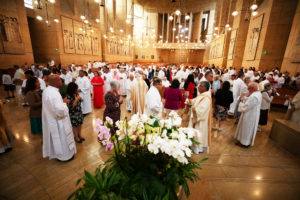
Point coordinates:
[(122, 82), (138, 93), (128, 96), (84, 85), (296, 114), (236, 91), (107, 77), (153, 102), (201, 118), (67, 78), (248, 123), (58, 139)]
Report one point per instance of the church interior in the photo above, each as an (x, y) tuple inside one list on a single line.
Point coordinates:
[(264, 34)]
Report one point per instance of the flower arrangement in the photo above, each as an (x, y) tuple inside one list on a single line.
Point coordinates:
[(151, 159)]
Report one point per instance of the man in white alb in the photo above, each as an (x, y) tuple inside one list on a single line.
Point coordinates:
[(66, 76), (84, 87), (58, 138), (248, 123), (153, 99), (236, 90)]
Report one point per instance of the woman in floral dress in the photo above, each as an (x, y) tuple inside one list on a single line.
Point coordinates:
[(113, 102), (75, 111)]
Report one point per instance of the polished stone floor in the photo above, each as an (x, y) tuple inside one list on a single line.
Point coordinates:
[(264, 171)]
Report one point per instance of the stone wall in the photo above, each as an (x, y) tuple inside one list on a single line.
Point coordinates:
[(291, 58), (23, 53)]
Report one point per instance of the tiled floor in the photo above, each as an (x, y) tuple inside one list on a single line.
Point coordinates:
[(263, 171)]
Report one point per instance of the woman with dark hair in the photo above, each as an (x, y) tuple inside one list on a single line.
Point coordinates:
[(75, 110), (172, 97), (224, 98), (189, 86), (98, 83), (33, 97)]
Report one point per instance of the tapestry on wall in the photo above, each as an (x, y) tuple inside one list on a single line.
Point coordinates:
[(68, 34), (232, 44), (213, 50), (95, 42), (79, 37), (87, 43), (11, 39), (220, 46), (253, 37), (296, 48)]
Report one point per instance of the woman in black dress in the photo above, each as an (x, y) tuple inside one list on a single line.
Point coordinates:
[(75, 111), (224, 98), (113, 102)]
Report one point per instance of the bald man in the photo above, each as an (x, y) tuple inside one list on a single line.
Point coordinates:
[(58, 139), (250, 108)]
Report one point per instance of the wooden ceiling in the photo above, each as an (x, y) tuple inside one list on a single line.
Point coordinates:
[(167, 6)]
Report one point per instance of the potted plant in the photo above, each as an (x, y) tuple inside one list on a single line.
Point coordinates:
[(151, 160)]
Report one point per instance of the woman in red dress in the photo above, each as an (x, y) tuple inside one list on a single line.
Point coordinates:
[(98, 83), (189, 89)]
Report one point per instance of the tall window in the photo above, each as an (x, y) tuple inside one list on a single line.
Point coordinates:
[(28, 4)]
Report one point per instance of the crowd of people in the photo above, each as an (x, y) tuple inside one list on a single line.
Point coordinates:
[(60, 97)]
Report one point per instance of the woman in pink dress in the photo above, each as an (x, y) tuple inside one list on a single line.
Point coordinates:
[(98, 83)]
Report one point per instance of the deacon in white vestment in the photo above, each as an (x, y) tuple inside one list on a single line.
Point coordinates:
[(84, 86), (107, 77), (58, 138), (201, 117), (66, 76), (250, 109), (153, 99), (128, 96), (138, 91), (122, 81), (236, 90)]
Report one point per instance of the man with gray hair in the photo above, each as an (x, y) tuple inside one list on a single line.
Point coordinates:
[(201, 117), (249, 106)]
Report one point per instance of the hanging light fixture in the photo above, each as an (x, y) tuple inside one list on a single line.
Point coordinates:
[(127, 21), (229, 28), (56, 20), (86, 21), (52, 1), (227, 25), (39, 18), (171, 18), (253, 6), (174, 29), (235, 13), (216, 28), (121, 30), (97, 20), (186, 28), (97, 1), (82, 17), (254, 13), (105, 36), (177, 12), (179, 26), (187, 17)]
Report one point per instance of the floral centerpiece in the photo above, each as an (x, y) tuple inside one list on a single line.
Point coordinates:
[(151, 159)]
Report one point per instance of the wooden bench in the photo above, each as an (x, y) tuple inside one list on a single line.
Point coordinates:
[(286, 134), (285, 90)]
